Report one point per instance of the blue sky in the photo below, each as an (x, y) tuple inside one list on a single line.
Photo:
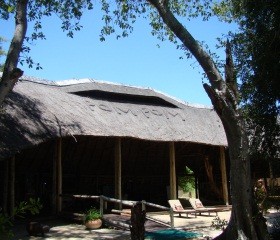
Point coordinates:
[(135, 60)]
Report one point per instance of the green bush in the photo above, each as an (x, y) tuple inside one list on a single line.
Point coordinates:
[(32, 205), (187, 183)]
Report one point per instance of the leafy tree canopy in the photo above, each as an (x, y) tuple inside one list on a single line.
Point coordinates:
[(69, 11), (257, 55), (118, 18), (259, 67), (2, 54)]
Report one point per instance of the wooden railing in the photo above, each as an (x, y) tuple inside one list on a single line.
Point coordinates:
[(103, 200)]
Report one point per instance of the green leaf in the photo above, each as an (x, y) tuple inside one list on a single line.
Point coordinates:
[(11, 9)]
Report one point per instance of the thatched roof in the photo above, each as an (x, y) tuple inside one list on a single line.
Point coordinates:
[(40, 110)]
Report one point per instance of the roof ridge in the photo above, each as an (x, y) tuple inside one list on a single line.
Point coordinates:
[(76, 81)]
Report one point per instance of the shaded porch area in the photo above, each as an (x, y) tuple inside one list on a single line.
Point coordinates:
[(124, 168), (61, 229)]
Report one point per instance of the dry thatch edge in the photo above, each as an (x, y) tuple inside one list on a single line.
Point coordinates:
[(150, 131), (74, 81)]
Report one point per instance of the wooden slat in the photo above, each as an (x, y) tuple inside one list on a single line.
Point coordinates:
[(156, 206), (167, 224), (173, 194), (58, 174), (118, 171), (54, 181), (123, 202), (79, 196), (119, 221), (126, 212)]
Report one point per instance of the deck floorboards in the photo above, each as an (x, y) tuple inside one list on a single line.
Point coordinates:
[(149, 225)]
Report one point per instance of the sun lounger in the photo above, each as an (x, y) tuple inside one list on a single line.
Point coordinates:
[(178, 208), (200, 208)]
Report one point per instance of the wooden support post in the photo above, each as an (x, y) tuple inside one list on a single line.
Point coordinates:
[(59, 175), (173, 185), (196, 187), (224, 175), (137, 219), (143, 205), (12, 186), (118, 171), (57, 178), (5, 186), (101, 207), (172, 218), (54, 180)]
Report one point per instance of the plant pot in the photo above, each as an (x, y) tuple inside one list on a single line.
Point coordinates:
[(93, 224)]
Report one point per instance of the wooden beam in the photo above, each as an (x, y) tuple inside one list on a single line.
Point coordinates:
[(118, 171), (59, 174), (224, 175), (196, 187), (173, 185), (54, 180), (12, 186)]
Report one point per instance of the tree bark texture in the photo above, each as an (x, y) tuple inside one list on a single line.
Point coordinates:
[(11, 73), (243, 223)]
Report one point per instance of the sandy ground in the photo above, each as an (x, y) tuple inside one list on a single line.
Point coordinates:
[(76, 231), (60, 229)]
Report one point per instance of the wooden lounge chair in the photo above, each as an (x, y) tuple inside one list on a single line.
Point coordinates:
[(200, 208), (178, 208)]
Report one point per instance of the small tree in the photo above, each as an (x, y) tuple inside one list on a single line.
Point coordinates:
[(187, 182)]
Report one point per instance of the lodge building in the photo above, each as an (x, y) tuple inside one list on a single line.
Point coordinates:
[(99, 138)]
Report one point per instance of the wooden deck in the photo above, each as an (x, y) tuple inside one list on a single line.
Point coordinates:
[(120, 221), (183, 222), (158, 217), (61, 228)]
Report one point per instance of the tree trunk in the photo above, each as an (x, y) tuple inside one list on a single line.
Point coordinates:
[(11, 73), (244, 224)]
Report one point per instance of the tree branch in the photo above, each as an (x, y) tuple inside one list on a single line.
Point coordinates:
[(189, 42), (232, 90), (11, 73)]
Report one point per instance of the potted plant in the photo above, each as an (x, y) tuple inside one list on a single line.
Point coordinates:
[(93, 219)]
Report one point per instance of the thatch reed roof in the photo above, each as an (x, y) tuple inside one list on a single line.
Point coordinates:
[(36, 111)]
